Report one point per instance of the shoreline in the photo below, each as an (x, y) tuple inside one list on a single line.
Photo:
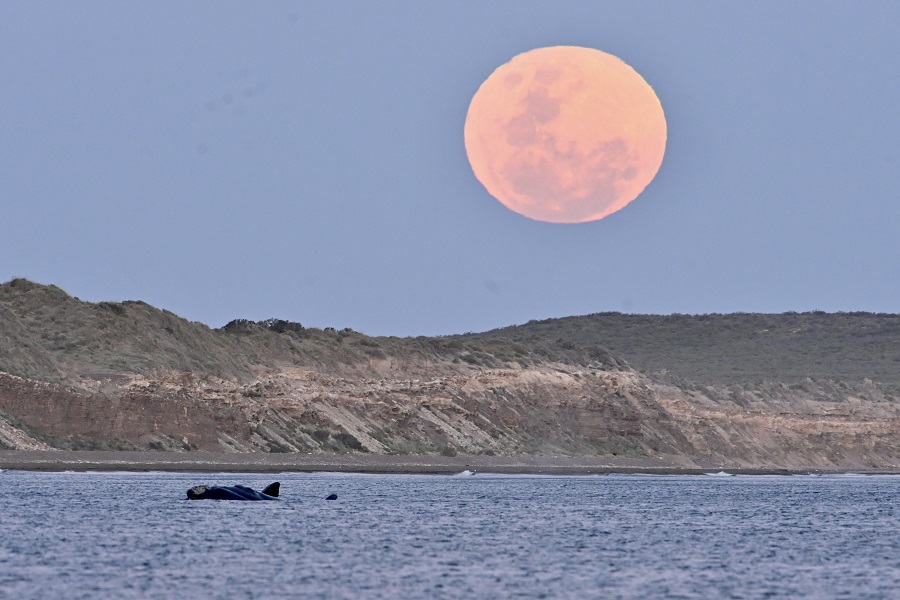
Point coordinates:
[(192, 462)]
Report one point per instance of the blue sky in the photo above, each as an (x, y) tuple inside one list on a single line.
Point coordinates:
[(305, 160)]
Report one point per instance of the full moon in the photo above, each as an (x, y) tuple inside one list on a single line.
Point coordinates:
[(565, 134)]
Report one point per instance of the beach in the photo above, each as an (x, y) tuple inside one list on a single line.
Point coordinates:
[(62, 460)]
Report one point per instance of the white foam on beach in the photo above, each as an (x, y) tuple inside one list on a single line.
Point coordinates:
[(719, 474)]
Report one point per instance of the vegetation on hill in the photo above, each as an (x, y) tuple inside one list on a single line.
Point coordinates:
[(49, 335), (734, 348)]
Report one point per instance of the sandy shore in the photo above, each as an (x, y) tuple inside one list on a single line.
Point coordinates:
[(360, 463)]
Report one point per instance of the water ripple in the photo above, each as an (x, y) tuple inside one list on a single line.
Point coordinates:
[(80, 535)]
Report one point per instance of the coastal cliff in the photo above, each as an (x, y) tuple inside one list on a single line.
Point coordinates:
[(128, 376)]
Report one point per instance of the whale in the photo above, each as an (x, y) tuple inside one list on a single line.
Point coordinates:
[(233, 492)]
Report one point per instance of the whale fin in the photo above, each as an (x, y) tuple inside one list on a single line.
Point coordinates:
[(272, 490)]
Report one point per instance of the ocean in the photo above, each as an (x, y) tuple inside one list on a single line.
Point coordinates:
[(134, 535)]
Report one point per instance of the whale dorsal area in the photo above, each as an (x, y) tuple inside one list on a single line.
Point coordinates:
[(233, 492)]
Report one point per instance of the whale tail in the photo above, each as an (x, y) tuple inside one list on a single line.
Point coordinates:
[(272, 489)]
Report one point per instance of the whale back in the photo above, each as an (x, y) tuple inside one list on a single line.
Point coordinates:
[(233, 492)]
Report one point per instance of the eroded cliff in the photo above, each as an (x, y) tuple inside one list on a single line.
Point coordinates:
[(132, 377)]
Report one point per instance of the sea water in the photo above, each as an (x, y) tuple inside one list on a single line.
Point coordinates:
[(128, 535)]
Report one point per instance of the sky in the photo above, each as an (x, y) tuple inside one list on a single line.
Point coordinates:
[(305, 161)]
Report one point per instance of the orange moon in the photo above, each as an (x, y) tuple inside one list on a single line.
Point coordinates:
[(565, 134)]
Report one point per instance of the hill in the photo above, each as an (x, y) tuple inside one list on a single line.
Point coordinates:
[(764, 391), (51, 336), (733, 348)]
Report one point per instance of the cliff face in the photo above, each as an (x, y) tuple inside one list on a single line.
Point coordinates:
[(276, 387), (546, 410)]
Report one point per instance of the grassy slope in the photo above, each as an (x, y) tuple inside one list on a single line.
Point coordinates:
[(47, 334), (736, 348)]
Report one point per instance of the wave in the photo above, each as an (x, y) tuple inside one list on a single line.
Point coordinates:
[(465, 473)]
